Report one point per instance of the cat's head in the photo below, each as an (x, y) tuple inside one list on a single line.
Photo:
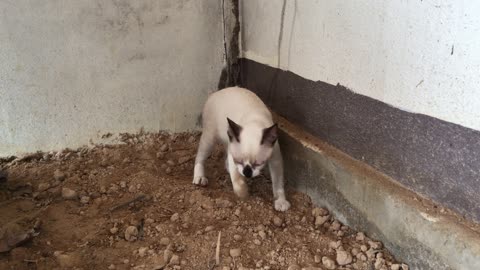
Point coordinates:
[(251, 146)]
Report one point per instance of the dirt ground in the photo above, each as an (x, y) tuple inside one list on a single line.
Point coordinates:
[(133, 206)]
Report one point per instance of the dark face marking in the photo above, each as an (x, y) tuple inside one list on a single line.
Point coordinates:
[(270, 135), (247, 171), (233, 131)]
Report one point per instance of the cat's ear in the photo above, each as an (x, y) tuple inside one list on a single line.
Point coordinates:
[(270, 135), (233, 131)]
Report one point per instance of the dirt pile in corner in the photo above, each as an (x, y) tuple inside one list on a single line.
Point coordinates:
[(132, 206)]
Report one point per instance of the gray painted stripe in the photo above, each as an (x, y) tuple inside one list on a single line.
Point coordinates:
[(432, 157)]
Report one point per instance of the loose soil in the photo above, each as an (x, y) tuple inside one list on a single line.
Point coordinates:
[(133, 206)]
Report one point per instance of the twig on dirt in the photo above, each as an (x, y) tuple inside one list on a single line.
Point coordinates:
[(30, 261), (137, 198), (217, 251)]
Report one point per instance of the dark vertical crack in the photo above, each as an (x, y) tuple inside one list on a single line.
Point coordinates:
[(230, 75)]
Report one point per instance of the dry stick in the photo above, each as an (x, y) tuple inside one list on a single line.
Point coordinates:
[(137, 198), (217, 252)]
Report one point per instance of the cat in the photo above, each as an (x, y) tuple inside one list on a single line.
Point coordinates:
[(239, 119)]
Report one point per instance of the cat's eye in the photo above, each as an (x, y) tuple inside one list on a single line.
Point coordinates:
[(257, 164)]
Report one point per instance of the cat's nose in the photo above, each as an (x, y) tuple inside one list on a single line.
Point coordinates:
[(247, 171)]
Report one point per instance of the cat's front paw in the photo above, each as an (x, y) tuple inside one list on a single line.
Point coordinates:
[(200, 180), (282, 205)]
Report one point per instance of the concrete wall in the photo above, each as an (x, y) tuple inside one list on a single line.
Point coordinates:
[(419, 56), (73, 70)]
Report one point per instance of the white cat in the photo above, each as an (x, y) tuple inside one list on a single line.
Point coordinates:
[(238, 118)]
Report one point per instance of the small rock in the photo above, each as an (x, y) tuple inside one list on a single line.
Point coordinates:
[(149, 221), (164, 241), (237, 212), (277, 221), (262, 234), (114, 230), (363, 248), (174, 217), (375, 245), (379, 263), (209, 228), (111, 266), (142, 251), (159, 228), (221, 203), (175, 260), (328, 263), (355, 251), (66, 260), (395, 266), (319, 212), (404, 266), (43, 187), (360, 236), (335, 225), (167, 255), (168, 170), (236, 252), (58, 175), (257, 242), (69, 194), (123, 184), (164, 148), (170, 162), (317, 258), (320, 220), (335, 244), (344, 257), (131, 233), (237, 237), (85, 199), (294, 267)]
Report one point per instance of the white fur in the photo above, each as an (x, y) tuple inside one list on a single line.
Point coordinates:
[(247, 110)]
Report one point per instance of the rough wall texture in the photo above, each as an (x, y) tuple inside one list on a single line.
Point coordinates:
[(432, 157), (72, 70)]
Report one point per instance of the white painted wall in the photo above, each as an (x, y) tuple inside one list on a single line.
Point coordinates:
[(398, 52), (73, 70)]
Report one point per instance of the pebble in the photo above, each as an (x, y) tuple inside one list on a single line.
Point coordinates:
[(294, 267), (167, 255), (344, 257), (317, 258), (360, 236), (43, 186), (257, 242), (335, 225), (320, 220), (237, 237), (235, 252), (69, 194), (355, 251), (209, 228), (123, 184), (328, 263), (175, 260), (168, 170), (363, 248), (171, 162), (142, 251), (131, 233), (111, 266), (164, 241), (85, 199), (335, 244), (277, 221), (59, 175), (262, 234), (317, 211), (379, 263), (164, 148), (114, 230), (174, 217), (375, 245), (395, 266)]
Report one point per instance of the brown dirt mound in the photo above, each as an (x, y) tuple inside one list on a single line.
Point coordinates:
[(133, 206)]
